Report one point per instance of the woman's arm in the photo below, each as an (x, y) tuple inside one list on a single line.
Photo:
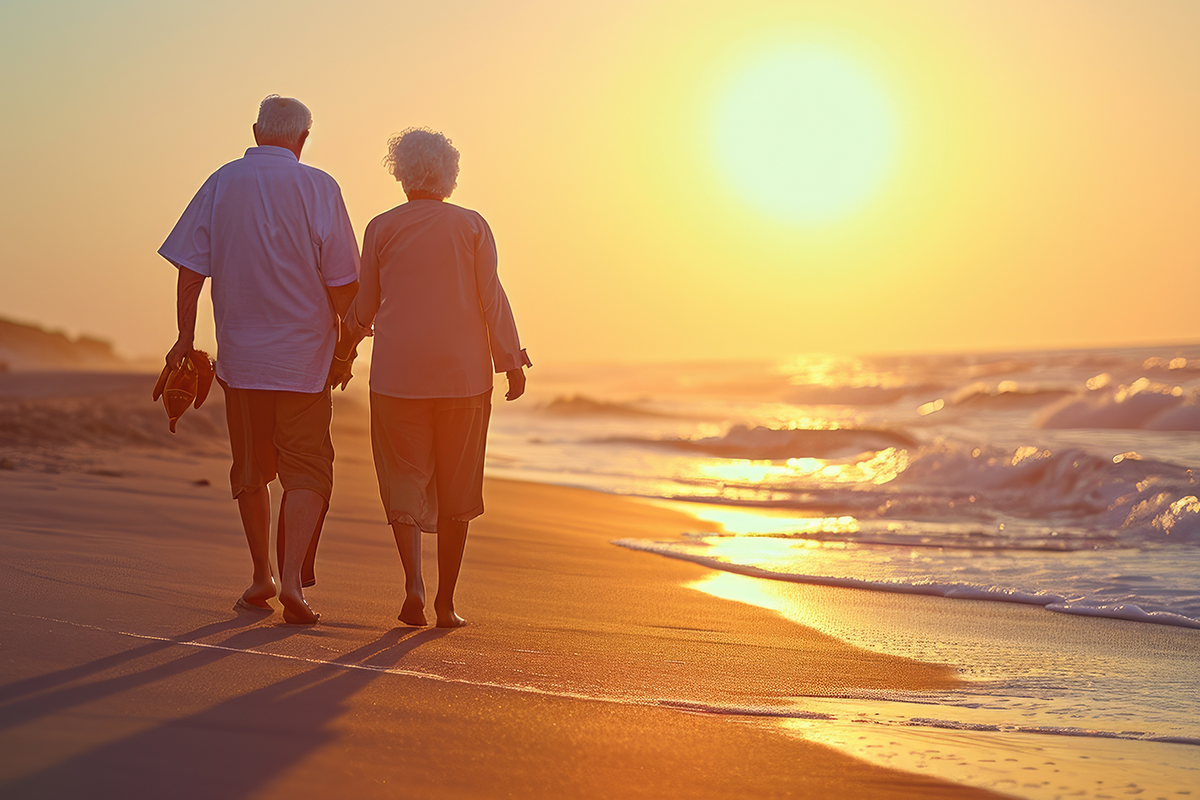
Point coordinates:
[(507, 354)]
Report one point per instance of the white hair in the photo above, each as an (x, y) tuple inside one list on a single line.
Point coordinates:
[(423, 160), (283, 118)]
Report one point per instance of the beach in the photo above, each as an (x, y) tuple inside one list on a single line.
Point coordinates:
[(126, 672), (843, 437), (587, 669)]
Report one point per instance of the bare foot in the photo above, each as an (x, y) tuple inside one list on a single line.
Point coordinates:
[(297, 612), (259, 593), (446, 618), (413, 611), (243, 604)]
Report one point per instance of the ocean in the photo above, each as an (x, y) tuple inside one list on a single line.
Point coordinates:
[(1031, 519), (1063, 481)]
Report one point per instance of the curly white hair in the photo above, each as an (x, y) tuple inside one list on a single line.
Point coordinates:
[(423, 160), (284, 118)]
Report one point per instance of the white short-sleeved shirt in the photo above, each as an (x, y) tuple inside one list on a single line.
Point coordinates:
[(272, 233)]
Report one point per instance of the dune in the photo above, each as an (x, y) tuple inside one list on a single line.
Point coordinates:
[(25, 346)]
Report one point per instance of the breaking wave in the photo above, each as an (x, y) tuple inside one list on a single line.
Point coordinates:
[(1142, 405)]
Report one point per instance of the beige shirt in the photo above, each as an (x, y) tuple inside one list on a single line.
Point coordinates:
[(442, 319)]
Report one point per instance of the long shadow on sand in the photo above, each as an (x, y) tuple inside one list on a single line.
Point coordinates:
[(40, 683), (229, 750), (39, 703)]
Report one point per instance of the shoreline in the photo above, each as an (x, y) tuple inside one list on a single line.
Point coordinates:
[(556, 611), (121, 562)]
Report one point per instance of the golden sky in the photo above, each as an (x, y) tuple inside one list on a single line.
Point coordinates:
[(1041, 190)]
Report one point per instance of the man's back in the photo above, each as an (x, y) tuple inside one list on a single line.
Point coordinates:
[(273, 234)]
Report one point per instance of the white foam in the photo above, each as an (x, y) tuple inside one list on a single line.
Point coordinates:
[(957, 591), (776, 712), (1129, 611)]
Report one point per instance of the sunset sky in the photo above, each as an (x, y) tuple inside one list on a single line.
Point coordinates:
[(990, 175)]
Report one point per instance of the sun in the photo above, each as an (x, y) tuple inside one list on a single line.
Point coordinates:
[(804, 134)]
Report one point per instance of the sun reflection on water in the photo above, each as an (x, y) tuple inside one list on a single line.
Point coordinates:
[(880, 468), (797, 604), (976, 739), (734, 520), (832, 371)]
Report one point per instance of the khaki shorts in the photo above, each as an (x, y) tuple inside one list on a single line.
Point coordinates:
[(429, 456), (280, 433)]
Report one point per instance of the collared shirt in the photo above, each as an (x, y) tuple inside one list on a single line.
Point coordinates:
[(442, 319), (272, 233)]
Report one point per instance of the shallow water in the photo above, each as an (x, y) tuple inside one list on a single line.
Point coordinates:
[(1052, 707), (1008, 486)]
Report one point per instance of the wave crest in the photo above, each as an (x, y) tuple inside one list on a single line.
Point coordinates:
[(1141, 405)]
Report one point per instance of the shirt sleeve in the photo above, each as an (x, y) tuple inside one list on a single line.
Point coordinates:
[(339, 248), (507, 353), (189, 244)]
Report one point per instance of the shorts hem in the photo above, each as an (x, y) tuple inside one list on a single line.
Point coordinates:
[(305, 482), (403, 519), (245, 487), (468, 516)]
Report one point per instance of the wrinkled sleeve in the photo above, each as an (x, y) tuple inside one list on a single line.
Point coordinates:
[(189, 243), (339, 248), (507, 353)]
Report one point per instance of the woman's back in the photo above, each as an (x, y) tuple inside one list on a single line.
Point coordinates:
[(435, 267)]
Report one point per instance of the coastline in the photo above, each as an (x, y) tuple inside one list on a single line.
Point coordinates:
[(127, 672), (121, 553)]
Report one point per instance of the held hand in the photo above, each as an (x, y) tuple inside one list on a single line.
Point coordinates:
[(177, 353), (516, 384), (340, 372), (356, 331)]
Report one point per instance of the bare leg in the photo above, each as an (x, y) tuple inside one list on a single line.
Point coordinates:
[(408, 542), (255, 507), (299, 515), (452, 536)]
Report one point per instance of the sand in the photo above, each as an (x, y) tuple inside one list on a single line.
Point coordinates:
[(124, 671)]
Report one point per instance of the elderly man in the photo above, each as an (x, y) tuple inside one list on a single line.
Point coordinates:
[(274, 236)]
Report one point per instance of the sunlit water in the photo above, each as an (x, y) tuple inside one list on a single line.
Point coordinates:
[(1050, 708), (1062, 482), (1065, 480)]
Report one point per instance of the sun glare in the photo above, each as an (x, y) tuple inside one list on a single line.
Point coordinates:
[(804, 134)]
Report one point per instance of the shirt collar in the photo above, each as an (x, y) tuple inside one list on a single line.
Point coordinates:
[(271, 150)]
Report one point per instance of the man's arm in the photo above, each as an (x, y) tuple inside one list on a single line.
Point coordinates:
[(187, 296), (341, 298)]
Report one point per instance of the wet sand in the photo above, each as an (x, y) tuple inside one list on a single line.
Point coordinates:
[(124, 672)]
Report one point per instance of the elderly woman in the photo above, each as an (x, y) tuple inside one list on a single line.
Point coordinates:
[(442, 323)]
